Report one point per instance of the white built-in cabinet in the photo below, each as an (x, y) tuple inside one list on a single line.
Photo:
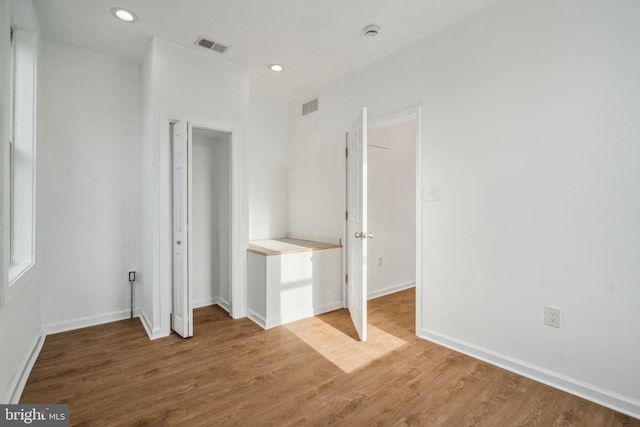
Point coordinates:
[(291, 279)]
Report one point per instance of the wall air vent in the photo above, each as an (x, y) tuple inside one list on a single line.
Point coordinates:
[(205, 43), (310, 107)]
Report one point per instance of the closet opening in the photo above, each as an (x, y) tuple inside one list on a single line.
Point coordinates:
[(202, 222), (211, 226)]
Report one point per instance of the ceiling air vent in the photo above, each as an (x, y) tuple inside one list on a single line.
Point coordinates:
[(310, 107), (211, 45)]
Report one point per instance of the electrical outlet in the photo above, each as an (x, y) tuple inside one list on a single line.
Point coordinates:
[(552, 316)]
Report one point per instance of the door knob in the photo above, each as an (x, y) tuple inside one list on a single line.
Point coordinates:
[(362, 235), (179, 242)]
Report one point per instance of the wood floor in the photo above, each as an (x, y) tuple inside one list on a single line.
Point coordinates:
[(312, 372)]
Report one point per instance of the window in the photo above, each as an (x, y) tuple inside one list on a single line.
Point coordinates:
[(12, 91), (21, 153)]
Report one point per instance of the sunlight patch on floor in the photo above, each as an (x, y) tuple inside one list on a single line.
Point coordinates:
[(342, 350)]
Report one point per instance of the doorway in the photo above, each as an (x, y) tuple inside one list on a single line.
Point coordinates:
[(211, 239), (391, 206), (398, 215), (201, 218), (402, 131)]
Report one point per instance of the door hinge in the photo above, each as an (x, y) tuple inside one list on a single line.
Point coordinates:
[(346, 215), (346, 278), (346, 144)]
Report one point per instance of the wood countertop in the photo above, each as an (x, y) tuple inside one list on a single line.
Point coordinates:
[(271, 247)]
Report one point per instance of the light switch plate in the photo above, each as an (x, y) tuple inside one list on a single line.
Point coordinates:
[(430, 193)]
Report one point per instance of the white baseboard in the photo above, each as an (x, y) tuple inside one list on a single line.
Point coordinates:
[(295, 316), (146, 324), (157, 333), (204, 302), (257, 319), (327, 308), (83, 322), (226, 305), (391, 290), (139, 313), (590, 392), (17, 386)]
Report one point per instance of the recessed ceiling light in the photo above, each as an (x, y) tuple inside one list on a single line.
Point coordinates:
[(124, 14), (276, 67)]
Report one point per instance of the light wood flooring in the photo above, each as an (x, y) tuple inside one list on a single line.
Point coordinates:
[(312, 372)]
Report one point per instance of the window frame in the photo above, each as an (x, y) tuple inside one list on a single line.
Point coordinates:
[(21, 182)]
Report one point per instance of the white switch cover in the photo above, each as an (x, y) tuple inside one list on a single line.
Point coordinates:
[(430, 193)]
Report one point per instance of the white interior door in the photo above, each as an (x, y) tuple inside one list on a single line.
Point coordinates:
[(357, 233), (182, 313)]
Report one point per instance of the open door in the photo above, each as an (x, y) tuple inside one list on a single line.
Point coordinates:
[(357, 233), (182, 313)]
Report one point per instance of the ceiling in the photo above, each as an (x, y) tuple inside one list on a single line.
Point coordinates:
[(317, 41)]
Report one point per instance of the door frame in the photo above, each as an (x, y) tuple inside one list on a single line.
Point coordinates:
[(238, 219), (410, 113)]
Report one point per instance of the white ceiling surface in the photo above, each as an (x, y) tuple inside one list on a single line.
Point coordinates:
[(317, 41)]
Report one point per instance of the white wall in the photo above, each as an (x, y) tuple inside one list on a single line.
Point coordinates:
[(210, 218), (530, 132), (20, 309), (182, 83), (204, 273), (268, 168), (90, 186), (147, 295), (391, 218), (20, 343), (223, 242)]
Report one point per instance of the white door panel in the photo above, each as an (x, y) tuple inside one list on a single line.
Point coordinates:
[(182, 313), (357, 233)]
